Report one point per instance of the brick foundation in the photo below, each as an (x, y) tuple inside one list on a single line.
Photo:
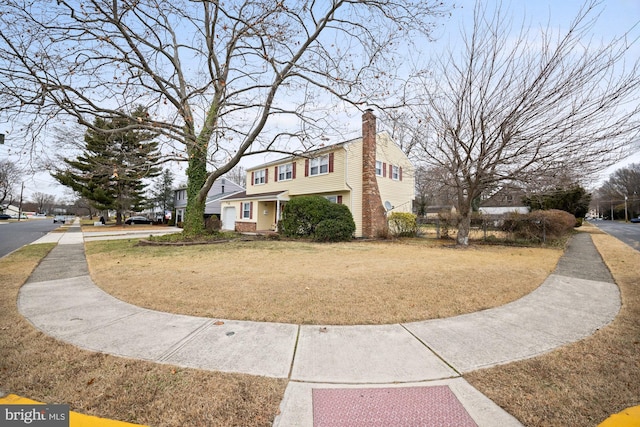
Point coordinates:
[(246, 227)]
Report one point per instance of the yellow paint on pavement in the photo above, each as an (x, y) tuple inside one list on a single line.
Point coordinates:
[(75, 419), (630, 417)]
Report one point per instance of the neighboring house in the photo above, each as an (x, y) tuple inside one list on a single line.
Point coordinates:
[(504, 200), (371, 175), (221, 187)]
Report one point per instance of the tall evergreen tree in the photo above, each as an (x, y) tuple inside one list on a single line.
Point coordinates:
[(574, 200), (110, 170)]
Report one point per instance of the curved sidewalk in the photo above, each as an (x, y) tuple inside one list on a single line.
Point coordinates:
[(577, 299)]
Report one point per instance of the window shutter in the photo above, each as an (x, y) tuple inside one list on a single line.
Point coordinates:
[(339, 200), (275, 175), (390, 171), (266, 175), (251, 178), (306, 167), (330, 162), (400, 173), (250, 210), (241, 210), (293, 172), (384, 170)]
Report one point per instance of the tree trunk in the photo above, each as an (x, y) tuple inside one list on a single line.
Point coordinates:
[(194, 215), (464, 226), (464, 221)]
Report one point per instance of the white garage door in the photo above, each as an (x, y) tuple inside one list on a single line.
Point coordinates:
[(229, 218)]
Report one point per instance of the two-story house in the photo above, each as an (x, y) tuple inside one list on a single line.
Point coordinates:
[(370, 174), (221, 187)]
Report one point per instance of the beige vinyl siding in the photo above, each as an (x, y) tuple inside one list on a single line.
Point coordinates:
[(331, 182), (399, 193), (265, 215), (353, 153)]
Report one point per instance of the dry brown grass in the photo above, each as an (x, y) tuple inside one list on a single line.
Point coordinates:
[(44, 369), (578, 385), (306, 283), (583, 383)]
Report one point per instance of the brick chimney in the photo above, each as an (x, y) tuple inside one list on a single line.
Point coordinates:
[(374, 220)]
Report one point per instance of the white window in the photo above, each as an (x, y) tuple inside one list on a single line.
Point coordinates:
[(334, 199), (246, 210), (319, 165), (378, 168), (285, 172), (395, 173), (259, 177)]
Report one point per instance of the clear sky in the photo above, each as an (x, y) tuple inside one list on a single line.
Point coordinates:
[(617, 16)]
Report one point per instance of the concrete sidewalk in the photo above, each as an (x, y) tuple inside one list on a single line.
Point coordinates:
[(577, 299)]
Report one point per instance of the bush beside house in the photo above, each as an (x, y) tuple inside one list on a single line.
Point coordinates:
[(403, 224), (318, 218)]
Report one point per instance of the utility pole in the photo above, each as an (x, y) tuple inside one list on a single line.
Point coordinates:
[(611, 210), (20, 206), (626, 215)]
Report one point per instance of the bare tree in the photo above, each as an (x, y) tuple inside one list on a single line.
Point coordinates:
[(622, 186), (83, 204), (431, 189), (237, 175), (526, 109), (396, 120), (44, 202), (213, 75), (9, 178)]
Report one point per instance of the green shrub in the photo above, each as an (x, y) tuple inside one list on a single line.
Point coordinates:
[(303, 215), (403, 224), (334, 230)]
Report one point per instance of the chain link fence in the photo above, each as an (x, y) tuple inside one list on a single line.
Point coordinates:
[(536, 227)]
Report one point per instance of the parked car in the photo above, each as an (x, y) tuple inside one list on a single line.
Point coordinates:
[(59, 218), (138, 220), (5, 216), (635, 219)]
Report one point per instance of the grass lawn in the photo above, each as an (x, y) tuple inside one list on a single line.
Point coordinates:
[(36, 366), (309, 283), (580, 384), (583, 383)]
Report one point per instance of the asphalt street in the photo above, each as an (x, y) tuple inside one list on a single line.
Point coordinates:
[(15, 234), (628, 232)]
